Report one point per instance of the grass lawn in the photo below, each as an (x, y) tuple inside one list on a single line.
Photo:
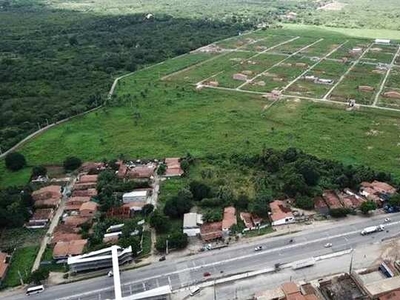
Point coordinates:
[(22, 261), (9, 178), (146, 243), (154, 118), (262, 231)]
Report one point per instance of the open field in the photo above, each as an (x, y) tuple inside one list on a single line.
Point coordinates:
[(151, 117), (22, 261)]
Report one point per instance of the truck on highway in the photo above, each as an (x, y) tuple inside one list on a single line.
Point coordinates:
[(372, 229), (303, 263)]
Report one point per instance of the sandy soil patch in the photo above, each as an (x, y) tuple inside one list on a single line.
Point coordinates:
[(333, 6)]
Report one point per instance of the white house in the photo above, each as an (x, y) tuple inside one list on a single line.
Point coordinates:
[(382, 42), (135, 196), (192, 223), (280, 213)]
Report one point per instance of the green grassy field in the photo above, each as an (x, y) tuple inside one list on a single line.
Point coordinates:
[(22, 261), (151, 117)]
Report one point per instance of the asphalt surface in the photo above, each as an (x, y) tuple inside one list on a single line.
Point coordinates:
[(227, 261)]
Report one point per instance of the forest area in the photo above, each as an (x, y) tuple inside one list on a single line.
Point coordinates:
[(55, 64)]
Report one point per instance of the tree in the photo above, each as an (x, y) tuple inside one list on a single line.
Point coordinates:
[(72, 163), (274, 163), (339, 212), (177, 206), (176, 240), (309, 170), (242, 202), (159, 221), (367, 206), (15, 161), (185, 165), (200, 190), (304, 202), (260, 206), (39, 171), (395, 200), (162, 168), (132, 241), (147, 209), (39, 275), (293, 184), (210, 216)]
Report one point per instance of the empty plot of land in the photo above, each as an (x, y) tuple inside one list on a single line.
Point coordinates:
[(361, 84), (235, 75), (317, 82), (390, 95), (240, 41), (380, 54), (266, 43), (295, 45), (351, 51), (322, 48)]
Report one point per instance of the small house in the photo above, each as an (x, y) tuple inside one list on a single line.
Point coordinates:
[(63, 250), (239, 76), (135, 196), (382, 41), (280, 214), (88, 209), (192, 223)]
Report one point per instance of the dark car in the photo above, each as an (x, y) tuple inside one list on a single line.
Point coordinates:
[(162, 258), (206, 274)]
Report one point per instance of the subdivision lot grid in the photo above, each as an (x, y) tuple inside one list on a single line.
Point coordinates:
[(266, 43), (318, 81), (353, 49), (241, 41), (390, 95), (360, 84), (322, 48), (380, 54)]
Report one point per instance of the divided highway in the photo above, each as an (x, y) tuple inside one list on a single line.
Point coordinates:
[(228, 261)]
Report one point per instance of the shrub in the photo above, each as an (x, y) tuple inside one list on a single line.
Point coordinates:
[(15, 161), (72, 163)]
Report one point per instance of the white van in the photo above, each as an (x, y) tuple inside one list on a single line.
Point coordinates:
[(34, 290)]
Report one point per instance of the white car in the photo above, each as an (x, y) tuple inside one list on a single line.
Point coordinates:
[(258, 248), (328, 245), (387, 220), (110, 274)]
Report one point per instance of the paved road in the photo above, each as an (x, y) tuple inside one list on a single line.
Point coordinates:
[(231, 260)]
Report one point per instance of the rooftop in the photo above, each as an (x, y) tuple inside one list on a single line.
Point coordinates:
[(64, 237), (279, 210), (75, 220), (88, 178), (192, 220), (89, 206), (42, 214), (65, 249), (91, 192), (78, 199), (211, 231), (3, 265), (229, 217), (136, 194), (331, 199)]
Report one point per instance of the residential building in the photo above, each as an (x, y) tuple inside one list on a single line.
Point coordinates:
[(47, 192), (123, 212), (192, 223), (40, 218), (91, 166), (60, 236), (280, 214), (376, 191), (211, 231), (331, 199), (63, 250), (76, 221), (92, 192), (382, 41), (229, 219), (84, 186), (289, 291), (47, 203), (239, 76), (134, 206), (392, 95), (74, 203), (88, 209), (320, 206), (87, 178), (173, 167), (99, 259), (250, 221), (135, 196), (4, 264)]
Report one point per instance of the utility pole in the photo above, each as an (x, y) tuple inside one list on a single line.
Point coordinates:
[(351, 263), (215, 292), (38, 125), (166, 246), (20, 278)]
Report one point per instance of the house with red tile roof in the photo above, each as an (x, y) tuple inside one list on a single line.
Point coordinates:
[(88, 209), (74, 203), (331, 199), (4, 264), (173, 167), (123, 212), (92, 192), (84, 186), (211, 231), (40, 218), (280, 213), (47, 192), (229, 218), (76, 221), (320, 206), (376, 191), (63, 250), (250, 221), (88, 178)]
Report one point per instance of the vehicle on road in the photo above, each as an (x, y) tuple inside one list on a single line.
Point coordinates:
[(206, 274), (387, 220), (34, 290), (162, 258), (372, 229), (258, 248), (328, 245), (110, 274), (303, 263), (291, 241)]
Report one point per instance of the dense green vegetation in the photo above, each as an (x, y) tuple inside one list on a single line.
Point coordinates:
[(21, 263), (55, 64)]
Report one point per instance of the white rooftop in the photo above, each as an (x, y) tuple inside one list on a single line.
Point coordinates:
[(160, 291), (136, 194), (191, 220)]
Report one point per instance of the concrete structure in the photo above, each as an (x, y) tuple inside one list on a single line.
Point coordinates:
[(99, 259), (280, 214), (192, 223), (135, 196)]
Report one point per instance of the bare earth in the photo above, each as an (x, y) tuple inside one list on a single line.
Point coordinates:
[(332, 6)]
